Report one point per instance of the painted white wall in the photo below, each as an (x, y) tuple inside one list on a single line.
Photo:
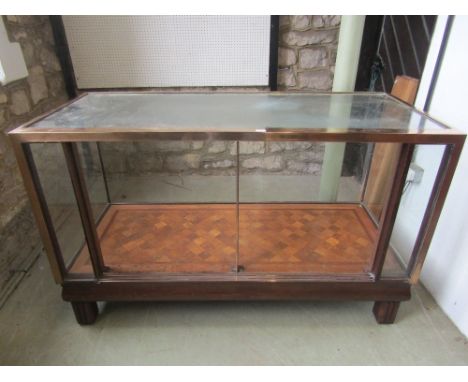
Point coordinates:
[(445, 273), (12, 65)]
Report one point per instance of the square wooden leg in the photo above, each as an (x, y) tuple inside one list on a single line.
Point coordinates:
[(85, 312), (386, 311)]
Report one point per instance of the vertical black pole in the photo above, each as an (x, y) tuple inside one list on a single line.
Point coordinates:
[(274, 33)]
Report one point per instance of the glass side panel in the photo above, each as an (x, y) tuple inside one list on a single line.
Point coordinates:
[(289, 219), (413, 204), (61, 203), (239, 112)]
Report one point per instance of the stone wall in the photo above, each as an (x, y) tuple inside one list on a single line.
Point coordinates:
[(307, 52), (211, 157), (20, 101)]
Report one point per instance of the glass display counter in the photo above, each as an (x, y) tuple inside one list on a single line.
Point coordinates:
[(232, 196)]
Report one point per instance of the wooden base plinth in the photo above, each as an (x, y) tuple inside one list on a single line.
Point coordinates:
[(85, 312), (235, 290)]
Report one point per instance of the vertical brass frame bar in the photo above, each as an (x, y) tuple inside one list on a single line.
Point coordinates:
[(437, 198), (84, 206), (391, 208), (39, 208)]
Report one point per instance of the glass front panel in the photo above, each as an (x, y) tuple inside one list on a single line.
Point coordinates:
[(300, 209), (173, 207), (58, 192), (413, 204), (244, 112)]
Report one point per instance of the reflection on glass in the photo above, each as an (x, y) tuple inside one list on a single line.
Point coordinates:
[(174, 206), (229, 111), (170, 171), (58, 192)]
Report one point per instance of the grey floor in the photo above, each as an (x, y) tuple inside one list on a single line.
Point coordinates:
[(38, 328)]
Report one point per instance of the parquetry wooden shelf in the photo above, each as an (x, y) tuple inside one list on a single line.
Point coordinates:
[(223, 243)]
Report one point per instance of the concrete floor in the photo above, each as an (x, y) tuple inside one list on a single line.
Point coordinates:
[(38, 328)]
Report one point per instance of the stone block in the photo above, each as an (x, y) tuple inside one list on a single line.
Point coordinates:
[(310, 156), (217, 147), (20, 102), (30, 20), (226, 163), (286, 57), (197, 145), (300, 22), (286, 78), (183, 162), (325, 21), (144, 163), (310, 37), (37, 84), (318, 21), (249, 148), (332, 54), (47, 34), (310, 58), (56, 85), (171, 146), (28, 53), (304, 168), (49, 60), (123, 148), (334, 21), (2, 118), (284, 21), (315, 80), (19, 34), (7, 182), (287, 146), (272, 163)]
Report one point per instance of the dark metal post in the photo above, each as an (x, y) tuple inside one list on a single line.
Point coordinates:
[(273, 72)]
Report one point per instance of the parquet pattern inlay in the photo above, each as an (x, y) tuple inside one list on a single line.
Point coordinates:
[(303, 239), (203, 238)]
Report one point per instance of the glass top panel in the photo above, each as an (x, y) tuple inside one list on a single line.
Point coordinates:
[(236, 111)]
